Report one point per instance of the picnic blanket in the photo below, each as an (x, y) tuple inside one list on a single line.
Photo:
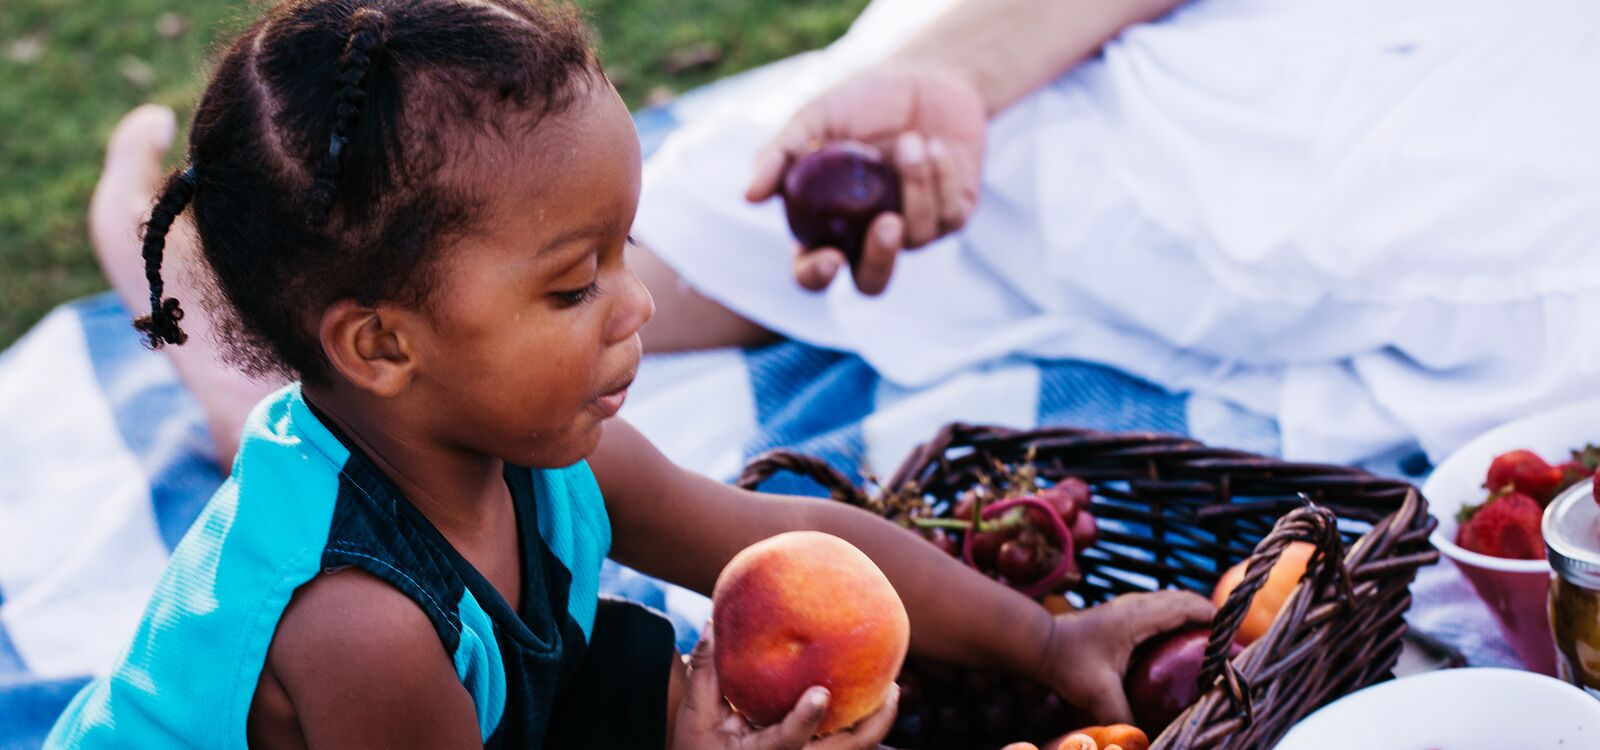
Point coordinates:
[(105, 461)]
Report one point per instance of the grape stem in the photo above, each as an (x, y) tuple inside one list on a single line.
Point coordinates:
[(1005, 524)]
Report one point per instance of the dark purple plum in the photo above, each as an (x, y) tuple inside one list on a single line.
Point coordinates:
[(833, 194), (1163, 676)]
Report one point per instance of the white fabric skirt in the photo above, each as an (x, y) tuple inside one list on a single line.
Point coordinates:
[(1376, 220)]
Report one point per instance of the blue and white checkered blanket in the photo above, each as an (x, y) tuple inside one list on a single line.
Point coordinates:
[(106, 460)]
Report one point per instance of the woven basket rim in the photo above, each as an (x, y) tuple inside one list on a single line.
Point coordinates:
[(1340, 581)]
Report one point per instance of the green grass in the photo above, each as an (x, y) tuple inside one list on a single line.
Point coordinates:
[(70, 68)]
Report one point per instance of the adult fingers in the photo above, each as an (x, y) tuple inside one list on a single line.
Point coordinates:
[(869, 732), (885, 239), (796, 729), (815, 269), (774, 158), (957, 181), (770, 166), (919, 190)]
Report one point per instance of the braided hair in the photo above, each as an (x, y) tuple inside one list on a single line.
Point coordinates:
[(161, 325), (366, 37), (327, 148)]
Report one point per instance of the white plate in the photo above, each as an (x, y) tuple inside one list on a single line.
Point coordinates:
[(1458, 480), (1455, 709)]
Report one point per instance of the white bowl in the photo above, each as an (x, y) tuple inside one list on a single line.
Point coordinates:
[(1458, 480), (1455, 709)]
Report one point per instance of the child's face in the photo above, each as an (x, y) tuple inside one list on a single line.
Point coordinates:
[(533, 334)]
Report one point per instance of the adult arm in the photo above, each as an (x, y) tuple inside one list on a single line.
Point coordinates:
[(1007, 48)]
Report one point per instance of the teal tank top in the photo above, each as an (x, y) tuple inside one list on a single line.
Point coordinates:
[(301, 500)]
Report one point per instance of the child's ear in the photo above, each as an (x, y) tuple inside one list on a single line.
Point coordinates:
[(370, 349)]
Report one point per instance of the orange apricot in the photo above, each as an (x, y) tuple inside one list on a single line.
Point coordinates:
[(1126, 736), (1285, 575)]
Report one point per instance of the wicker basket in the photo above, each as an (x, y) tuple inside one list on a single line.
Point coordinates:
[(1186, 513)]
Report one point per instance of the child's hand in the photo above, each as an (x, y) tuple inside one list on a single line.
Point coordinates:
[(706, 722), (1088, 651)]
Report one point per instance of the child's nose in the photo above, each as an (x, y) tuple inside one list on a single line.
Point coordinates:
[(634, 309)]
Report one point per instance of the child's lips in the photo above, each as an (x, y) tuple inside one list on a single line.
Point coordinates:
[(611, 403)]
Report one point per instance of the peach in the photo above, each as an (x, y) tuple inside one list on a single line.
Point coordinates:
[(805, 608)]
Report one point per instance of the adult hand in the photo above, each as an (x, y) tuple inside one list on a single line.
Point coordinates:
[(706, 722), (930, 122), (1088, 652)]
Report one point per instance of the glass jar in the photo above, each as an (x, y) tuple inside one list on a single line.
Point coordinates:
[(1572, 540)]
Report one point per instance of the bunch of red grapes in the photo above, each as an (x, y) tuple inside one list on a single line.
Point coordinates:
[(1031, 543)]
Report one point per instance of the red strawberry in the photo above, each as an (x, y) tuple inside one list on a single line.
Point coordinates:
[(1588, 457), (1506, 526), (1572, 473), (1525, 472)]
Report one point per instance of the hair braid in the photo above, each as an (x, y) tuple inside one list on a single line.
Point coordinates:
[(161, 325), (367, 27)]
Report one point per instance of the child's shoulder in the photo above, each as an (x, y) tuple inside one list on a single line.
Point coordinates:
[(354, 661)]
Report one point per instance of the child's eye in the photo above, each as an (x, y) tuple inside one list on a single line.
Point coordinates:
[(576, 297)]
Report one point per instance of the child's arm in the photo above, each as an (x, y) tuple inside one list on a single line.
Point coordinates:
[(684, 528), (355, 663)]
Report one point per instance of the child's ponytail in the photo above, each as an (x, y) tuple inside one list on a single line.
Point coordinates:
[(161, 325), (367, 28)]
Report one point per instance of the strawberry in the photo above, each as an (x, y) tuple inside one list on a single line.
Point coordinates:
[(1588, 457), (1506, 526), (1572, 472), (1525, 472)]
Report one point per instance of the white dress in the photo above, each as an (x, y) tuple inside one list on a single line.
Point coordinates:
[(1376, 220)]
